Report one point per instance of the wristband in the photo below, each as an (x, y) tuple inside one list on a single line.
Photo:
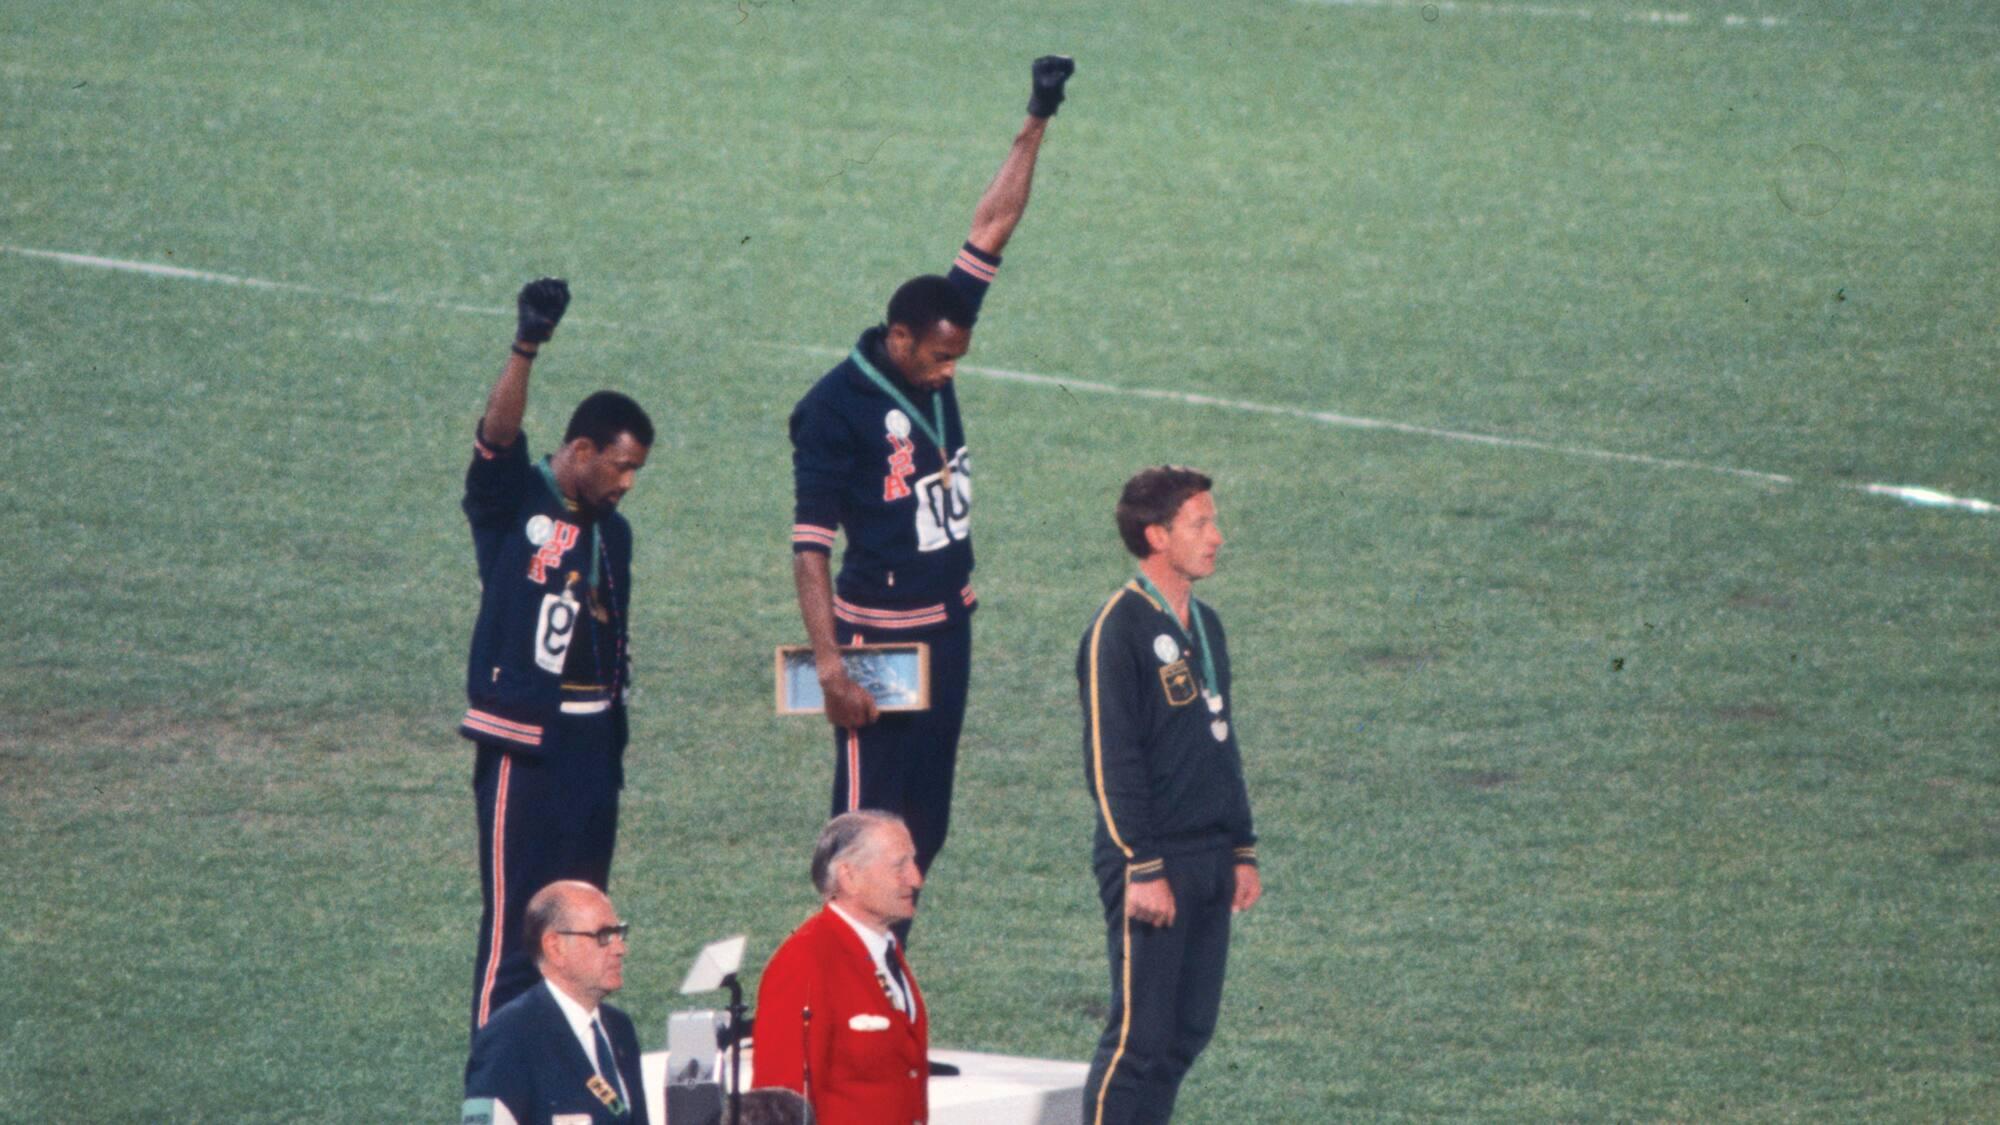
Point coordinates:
[(522, 352)]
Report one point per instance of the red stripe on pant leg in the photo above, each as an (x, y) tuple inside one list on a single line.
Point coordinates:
[(853, 770), (499, 889), (854, 755)]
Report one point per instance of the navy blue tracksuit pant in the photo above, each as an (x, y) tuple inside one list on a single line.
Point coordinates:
[(542, 818), (904, 762)]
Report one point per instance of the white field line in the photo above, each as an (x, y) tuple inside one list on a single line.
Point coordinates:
[(1432, 9), (1349, 421), (1928, 497), (1910, 494), (154, 269)]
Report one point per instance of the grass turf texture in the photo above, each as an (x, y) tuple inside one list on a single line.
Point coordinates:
[(1589, 791)]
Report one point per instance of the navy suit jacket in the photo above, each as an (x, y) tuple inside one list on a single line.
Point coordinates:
[(527, 1057)]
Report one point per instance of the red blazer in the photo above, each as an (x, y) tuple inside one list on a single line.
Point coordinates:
[(869, 1063)]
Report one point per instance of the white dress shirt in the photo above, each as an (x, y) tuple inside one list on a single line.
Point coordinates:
[(879, 943), (580, 1023)]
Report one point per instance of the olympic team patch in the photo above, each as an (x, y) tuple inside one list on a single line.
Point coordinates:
[(902, 456), (558, 536), (1179, 683)]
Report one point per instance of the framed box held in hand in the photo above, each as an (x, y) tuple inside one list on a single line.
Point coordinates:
[(897, 675)]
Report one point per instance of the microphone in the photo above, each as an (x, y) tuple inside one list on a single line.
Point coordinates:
[(805, 1052)]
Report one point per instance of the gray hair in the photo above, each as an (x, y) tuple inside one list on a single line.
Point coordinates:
[(843, 837), (548, 910)]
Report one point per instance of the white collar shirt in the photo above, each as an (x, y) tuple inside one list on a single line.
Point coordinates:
[(580, 1023), (879, 944)]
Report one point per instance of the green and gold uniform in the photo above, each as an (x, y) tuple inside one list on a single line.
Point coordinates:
[(1160, 758)]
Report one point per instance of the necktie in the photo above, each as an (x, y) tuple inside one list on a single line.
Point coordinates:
[(895, 965), (607, 1067)]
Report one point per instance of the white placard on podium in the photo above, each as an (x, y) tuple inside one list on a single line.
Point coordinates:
[(988, 1090)]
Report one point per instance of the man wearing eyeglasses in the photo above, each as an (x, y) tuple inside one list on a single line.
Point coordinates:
[(557, 1054)]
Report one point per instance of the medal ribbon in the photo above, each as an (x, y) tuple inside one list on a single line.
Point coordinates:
[(933, 430), (1197, 644)]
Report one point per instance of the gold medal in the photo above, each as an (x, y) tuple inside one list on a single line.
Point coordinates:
[(944, 474)]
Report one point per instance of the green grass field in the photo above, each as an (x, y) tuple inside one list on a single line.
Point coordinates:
[(1591, 789)]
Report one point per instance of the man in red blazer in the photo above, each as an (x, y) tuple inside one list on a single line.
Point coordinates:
[(839, 1015)]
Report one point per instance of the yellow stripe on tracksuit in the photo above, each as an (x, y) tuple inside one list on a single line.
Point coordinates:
[(1125, 1010), (1097, 719), (1104, 803)]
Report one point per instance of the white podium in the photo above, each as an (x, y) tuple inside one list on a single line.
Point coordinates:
[(988, 1090)]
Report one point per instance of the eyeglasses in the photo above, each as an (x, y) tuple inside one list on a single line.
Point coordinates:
[(603, 936)]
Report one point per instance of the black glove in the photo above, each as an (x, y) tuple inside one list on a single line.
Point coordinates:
[(1050, 71), (541, 306)]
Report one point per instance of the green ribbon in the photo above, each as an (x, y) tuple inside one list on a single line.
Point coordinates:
[(1197, 644), (934, 432)]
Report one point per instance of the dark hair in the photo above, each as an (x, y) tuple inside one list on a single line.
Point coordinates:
[(840, 839), (605, 415), (923, 301), (1151, 498), (774, 1105)]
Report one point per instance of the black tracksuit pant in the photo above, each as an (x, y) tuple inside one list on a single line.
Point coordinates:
[(1166, 987)]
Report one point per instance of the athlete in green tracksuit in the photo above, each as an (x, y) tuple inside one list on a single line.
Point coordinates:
[(1175, 853)]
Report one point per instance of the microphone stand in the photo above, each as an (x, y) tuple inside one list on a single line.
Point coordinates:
[(736, 1014)]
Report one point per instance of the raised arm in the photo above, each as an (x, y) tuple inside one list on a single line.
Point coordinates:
[(539, 309), (1006, 198)]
